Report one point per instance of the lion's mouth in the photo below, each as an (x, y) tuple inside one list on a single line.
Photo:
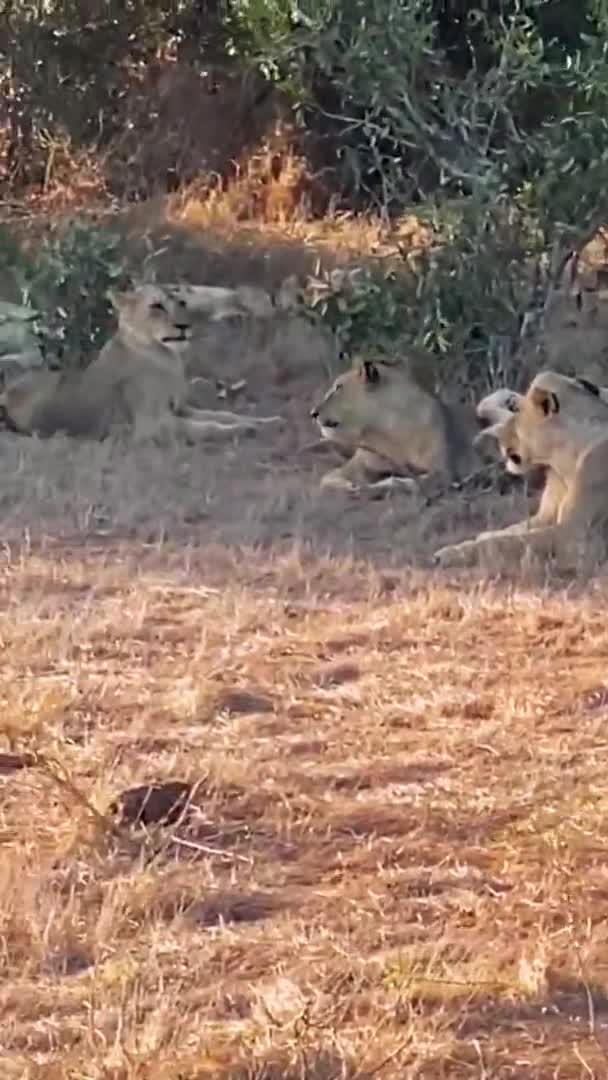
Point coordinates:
[(325, 421), (179, 339), (328, 428), (514, 464)]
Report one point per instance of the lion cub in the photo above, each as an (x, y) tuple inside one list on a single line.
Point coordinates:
[(561, 424), (138, 381)]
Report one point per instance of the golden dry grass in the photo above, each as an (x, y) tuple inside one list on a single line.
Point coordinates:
[(258, 221), (394, 861)]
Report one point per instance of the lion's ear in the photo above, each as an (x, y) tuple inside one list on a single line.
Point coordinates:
[(545, 401), (369, 372)]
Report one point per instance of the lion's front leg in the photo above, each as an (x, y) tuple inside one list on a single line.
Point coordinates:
[(229, 419), (151, 427), (209, 429), (504, 544), (365, 469), (519, 528), (548, 512)]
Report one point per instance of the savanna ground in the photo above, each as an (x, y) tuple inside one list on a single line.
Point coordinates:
[(392, 863)]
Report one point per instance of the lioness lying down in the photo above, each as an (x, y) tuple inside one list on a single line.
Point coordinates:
[(137, 382), (560, 424), (378, 412)]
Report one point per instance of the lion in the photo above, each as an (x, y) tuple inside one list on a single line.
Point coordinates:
[(394, 426), (499, 405), (561, 425), (218, 302), (137, 382)]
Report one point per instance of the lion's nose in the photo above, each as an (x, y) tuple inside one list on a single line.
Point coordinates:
[(314, 414)]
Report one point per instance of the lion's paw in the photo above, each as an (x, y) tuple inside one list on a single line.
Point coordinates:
[(456, 554), (336, 481), (394, 483)]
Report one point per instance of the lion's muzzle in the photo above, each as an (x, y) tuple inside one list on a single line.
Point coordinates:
[(181, 335), (323, 422), (326, 425)]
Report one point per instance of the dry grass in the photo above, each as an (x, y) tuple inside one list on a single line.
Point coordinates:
[(273, 191), (393, 861)]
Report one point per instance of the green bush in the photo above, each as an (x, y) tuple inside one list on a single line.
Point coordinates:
[(460, 302), (430, 94), (489, 121), (492, 125), (67, 281)]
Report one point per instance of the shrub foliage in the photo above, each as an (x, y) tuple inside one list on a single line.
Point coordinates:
[(488, 120)]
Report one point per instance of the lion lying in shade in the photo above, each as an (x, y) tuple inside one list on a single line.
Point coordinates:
[(138, 381)]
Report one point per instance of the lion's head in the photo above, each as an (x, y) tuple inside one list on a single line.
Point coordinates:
[(497, 406), (555, 411), (150, 315), (372, 399)]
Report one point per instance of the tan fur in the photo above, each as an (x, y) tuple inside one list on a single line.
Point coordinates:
[(563, 427), (217, 302), (393, 424), (498, 405), (137, 382)]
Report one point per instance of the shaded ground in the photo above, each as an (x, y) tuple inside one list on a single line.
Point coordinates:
[(261, 490), (254, 490)]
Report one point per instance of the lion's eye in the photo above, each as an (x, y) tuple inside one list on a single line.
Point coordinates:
[(157, 307), (514, 457)]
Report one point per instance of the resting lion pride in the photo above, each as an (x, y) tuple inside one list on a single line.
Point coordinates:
[(559, 429), (138, 381)]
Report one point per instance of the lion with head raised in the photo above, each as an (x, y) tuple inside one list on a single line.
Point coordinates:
[(138, 381), (561, 425), (391, 424)]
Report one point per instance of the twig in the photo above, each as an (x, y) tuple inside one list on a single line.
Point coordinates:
[(208, 850), (385, 1061), (588, 1070), (590, 1015), (483, 1074), (460, 485)]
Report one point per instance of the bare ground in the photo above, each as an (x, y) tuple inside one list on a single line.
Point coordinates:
[(392, 863)]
